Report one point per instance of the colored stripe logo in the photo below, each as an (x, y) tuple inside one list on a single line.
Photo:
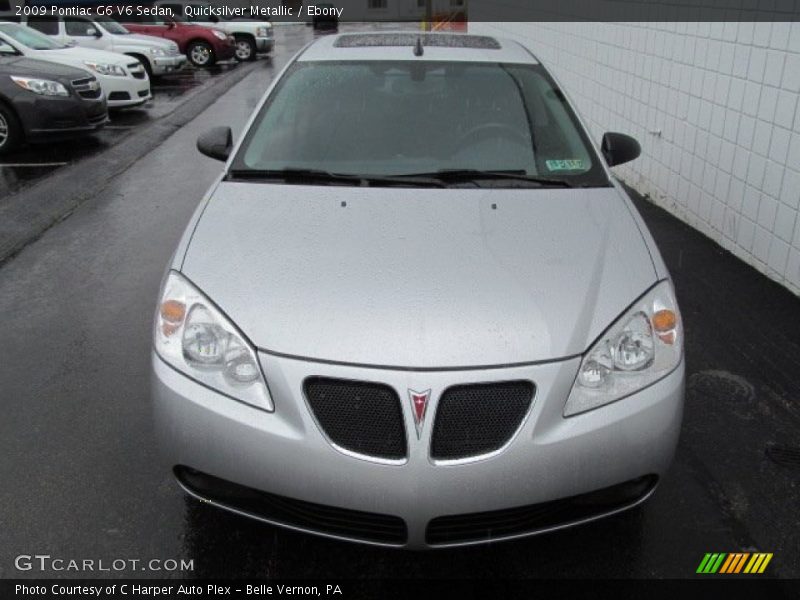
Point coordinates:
[(734, 562)]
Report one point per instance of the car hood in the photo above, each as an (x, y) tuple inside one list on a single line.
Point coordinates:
[(21, 65), (141, 41), (419, 277), (77, 54)]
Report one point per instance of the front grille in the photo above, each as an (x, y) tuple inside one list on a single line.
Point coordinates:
[(137, 70), (526, 520), (83, 87), (280, 510), (365, 418), (119, 96), (472, 420)]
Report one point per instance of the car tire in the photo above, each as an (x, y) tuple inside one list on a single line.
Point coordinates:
[(145, 63), (10, 130), (245, 48), (201, 54)]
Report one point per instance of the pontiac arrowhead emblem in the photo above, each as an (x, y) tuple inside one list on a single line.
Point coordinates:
[(419, 405)]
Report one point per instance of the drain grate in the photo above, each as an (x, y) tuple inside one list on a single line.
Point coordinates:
[(786, 456)]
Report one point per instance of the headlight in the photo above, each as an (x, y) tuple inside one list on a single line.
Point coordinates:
[(157, 52), (193, 336), (220, 35), (263, 31), (106, 69), (641, 347), (43, 87)]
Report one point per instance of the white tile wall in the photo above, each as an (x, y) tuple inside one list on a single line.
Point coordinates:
[(724, 97)]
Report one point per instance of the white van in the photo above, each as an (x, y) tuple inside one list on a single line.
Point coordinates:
[(159, 56)]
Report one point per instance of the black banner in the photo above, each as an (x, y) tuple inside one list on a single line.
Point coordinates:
[(455, 11), (731, 588)]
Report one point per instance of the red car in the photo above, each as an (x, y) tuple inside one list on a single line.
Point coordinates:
[(201, 45)]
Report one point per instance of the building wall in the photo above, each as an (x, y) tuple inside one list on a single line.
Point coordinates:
[(715, 108)]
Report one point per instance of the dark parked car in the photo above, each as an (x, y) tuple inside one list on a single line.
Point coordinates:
[(42, 101)]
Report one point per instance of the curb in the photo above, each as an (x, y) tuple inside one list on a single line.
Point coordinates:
[(35, 209)]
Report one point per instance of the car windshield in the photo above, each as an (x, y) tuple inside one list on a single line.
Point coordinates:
[(404, 118), (29, 38), (111, 26)]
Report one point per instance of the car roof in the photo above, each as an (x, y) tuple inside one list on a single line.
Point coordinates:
[(400, 45)]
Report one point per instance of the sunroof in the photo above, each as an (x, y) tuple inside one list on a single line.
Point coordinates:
[(442, 40)]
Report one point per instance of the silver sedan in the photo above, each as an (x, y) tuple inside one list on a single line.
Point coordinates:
[(416, 309)]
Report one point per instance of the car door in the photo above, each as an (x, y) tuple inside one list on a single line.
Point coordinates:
[(85, 33)]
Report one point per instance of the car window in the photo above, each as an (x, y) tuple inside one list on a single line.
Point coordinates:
[(29, 37), (200, 18), (398, 118), (6, 48), (78, 27), (111, 26), (134, 17), (43, 24), (177, 9)]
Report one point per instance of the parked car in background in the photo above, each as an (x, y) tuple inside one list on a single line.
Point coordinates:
[(123, 79), (158, 55), (251, 37), (41, 101), (203, 46)]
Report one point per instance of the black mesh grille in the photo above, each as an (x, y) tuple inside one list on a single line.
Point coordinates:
[(84, 88), (477, 419), (523, 520), (361, 417), (343, 522)]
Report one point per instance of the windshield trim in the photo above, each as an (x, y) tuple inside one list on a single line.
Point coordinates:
[(596, 177)]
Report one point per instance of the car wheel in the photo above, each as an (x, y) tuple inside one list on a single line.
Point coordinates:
[(201, 54), (10, 130), (245, 49)]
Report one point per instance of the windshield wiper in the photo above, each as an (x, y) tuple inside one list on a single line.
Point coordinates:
[(470, 175), (320, 176)]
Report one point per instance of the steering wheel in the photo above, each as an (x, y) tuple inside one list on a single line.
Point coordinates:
[(493, 131)]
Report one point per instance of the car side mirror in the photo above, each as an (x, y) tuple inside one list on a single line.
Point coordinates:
[(91, 31), (170, 24), (619, 148), (216, 143)]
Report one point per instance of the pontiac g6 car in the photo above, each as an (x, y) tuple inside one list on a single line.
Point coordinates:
[(416, 309)]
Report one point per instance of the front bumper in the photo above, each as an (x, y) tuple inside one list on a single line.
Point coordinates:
[(123, 92), (168, 64), (265, 44), (51, 118), (284, 453)]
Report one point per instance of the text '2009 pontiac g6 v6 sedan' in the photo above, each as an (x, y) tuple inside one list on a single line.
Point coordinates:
[(416, 309)]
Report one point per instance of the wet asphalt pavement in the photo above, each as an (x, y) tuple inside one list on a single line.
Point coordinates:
[(80, 472)]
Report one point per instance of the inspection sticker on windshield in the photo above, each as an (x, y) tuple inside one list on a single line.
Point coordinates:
[(568, 164)]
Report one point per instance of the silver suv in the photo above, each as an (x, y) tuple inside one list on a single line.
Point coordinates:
[(159, 56)]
